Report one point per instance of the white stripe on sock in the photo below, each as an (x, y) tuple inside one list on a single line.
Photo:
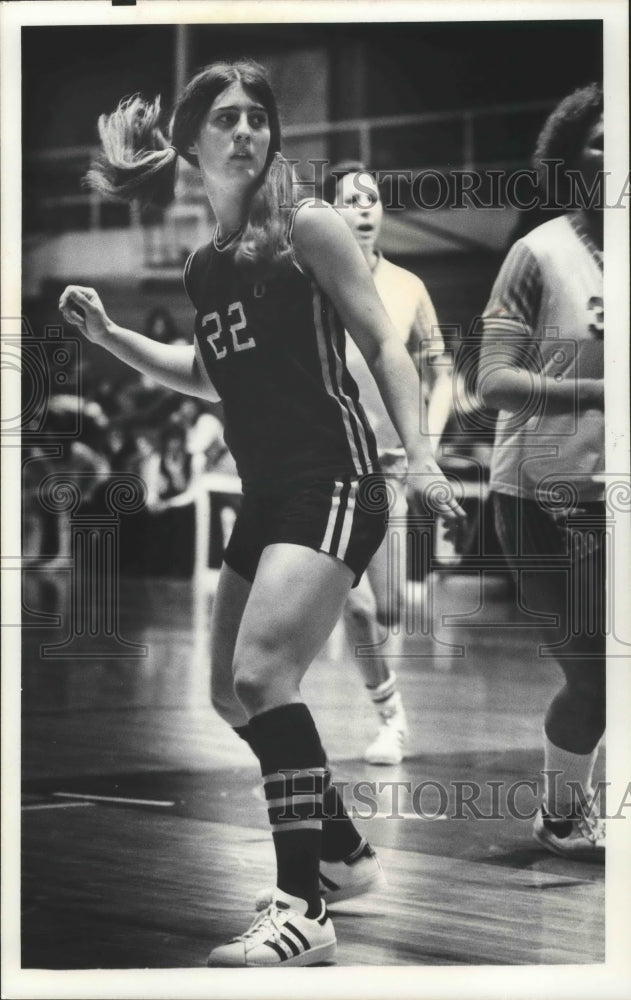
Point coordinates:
[(290, 774), (297, 824), (289, 799)]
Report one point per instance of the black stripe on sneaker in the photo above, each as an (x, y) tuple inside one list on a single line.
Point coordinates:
[(292, 944), (362, 850), (294, 930), (328, 883), (279, 951)]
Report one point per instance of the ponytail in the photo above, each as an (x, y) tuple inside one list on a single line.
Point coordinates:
[(136, 162)]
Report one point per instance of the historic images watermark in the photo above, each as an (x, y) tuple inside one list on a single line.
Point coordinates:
[(456, 799), (524, 189)]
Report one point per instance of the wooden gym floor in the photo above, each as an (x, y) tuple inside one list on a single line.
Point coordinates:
[(144, 835)]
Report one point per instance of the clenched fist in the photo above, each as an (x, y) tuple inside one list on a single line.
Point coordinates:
[(83, 308)]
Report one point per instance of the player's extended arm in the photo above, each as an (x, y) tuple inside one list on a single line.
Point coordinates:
[(326, 248), (510, 372), (505, 383), (175, 366)]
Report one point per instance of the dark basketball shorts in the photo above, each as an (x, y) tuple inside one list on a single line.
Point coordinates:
[(346, 518), (536, 538)]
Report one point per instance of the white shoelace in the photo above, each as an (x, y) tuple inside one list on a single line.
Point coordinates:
[(267, 925), (592, 828)]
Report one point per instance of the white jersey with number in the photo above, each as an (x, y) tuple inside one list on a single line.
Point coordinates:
[(548, 299), (407, 302)]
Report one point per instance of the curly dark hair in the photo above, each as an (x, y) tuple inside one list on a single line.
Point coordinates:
[(562, 138)]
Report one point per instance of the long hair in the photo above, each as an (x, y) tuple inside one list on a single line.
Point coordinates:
[(138, 160)]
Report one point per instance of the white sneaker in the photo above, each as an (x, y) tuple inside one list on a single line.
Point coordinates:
[(389, 746), (280, 935), (581, 838), (361, 872)]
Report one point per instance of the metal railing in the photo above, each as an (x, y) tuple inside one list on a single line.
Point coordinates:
[(495, 137), (464, 122)]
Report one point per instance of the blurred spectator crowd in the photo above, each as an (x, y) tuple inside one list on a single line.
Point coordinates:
[(136, 427)]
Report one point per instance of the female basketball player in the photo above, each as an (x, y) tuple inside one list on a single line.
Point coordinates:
[(375, 605), (273, 292), (541, 366)]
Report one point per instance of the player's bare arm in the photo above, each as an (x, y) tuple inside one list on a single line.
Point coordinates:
[(175, 366), (327, 250), (511, 386)]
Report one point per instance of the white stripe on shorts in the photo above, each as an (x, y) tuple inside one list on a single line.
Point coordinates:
[(330, 526), (347, 525)]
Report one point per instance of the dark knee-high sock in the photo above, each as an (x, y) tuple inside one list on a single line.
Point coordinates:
[(293, 766), (340, 837), (246, 734)]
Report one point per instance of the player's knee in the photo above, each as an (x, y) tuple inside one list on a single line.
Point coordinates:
[(360, 609), (263, 674), (252, 679), (255, 691), (265, 661)]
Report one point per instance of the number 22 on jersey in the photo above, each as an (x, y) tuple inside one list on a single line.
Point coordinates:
[(217, 338)]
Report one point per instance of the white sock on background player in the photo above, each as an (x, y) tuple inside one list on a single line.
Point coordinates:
[(389, 746)]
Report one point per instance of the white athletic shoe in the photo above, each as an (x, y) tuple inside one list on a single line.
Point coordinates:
[(280, 935), (389, 746), (581, 838), (361, 872)]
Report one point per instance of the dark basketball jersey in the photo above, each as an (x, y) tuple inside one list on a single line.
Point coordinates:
[(275, 353)]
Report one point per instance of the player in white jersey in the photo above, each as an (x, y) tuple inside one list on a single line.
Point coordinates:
[(372, 614), (541, 366)]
